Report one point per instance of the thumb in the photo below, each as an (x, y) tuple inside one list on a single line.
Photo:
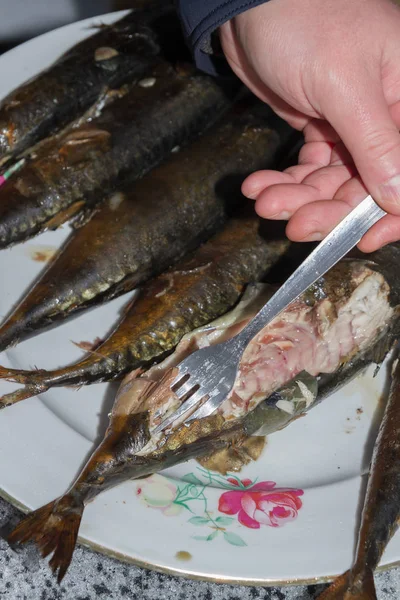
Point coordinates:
[(364, 124)]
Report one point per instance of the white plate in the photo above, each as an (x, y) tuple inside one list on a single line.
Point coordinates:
[(44, 441)]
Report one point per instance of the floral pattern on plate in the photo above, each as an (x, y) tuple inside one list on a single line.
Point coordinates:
[(254, 503)]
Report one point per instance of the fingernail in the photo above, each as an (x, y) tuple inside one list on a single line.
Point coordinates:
[(252, 195), (315, 236), (282, 216), (390, 191)]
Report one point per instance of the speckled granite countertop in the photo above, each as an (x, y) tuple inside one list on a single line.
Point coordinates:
[(24, 576)]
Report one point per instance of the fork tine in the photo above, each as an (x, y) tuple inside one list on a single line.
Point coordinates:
[(181, 374), (207, 409), (188, 404), (184, 389), (184, 407), (196, 397)]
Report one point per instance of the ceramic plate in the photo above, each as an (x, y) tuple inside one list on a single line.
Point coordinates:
[(188, 520)]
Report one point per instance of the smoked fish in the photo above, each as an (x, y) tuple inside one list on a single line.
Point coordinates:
[(195, 291), (381, 512), (345, 321), (131, 135), (143, 229), (114, 55)]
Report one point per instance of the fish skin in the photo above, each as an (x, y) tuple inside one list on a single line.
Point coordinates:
[(131, 135), (381, 511), (54, 527), (153, 224), (194, 292), (76, 80)]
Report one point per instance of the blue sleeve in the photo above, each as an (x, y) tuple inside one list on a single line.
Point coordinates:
[(200, 18)]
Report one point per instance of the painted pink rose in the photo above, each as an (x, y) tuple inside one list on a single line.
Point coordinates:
[(261, 503)]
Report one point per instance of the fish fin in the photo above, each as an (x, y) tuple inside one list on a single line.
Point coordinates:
[(89, 346), (234, 457), (337, 589), (97, 26), (22, 394), (84, 216), (54, 529), (363, 588), (20, 375), (31, 379), (8, 373), (345, 588), (65, 215)]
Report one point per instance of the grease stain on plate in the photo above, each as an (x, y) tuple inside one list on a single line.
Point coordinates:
[(183, 555), (41, 253)]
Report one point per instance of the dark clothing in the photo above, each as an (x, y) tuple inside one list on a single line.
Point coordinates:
[(200, 18)]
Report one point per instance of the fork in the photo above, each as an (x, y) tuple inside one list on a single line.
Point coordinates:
[(207, 376)]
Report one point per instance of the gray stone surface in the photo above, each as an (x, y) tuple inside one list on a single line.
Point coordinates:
[(24, 576)]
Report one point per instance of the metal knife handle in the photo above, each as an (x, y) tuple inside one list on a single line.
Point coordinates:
[(335, 246)]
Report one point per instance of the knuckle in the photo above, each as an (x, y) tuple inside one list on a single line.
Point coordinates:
[(380, 143)]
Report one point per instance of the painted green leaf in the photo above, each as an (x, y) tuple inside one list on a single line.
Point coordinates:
[(202, 538), (194, 491), (212, 535), (191, 478), (199, 520), (234, 539), (184, 505), (224, 520), (183, 491)]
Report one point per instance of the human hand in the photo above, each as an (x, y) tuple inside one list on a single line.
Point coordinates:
[(330, 68)]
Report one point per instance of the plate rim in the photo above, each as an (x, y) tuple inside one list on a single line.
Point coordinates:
[(153, 566)]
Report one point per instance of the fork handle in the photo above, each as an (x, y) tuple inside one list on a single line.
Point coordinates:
[(335, 246)]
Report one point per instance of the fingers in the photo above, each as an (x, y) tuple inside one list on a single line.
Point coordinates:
[(282, 200), (312, 156), (394, 110), (352, 191), (317, 219), (314, 221), (365, 124), (320, 131), (316, 153), (257, 182), (341, 156), (322, 148), (386, 231), (363, 130)]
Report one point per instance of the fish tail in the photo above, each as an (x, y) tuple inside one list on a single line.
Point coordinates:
[(21, 394), (54, 529), (18, 375), (347, 588), (35, 383), (337, 590), (363, 586)]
